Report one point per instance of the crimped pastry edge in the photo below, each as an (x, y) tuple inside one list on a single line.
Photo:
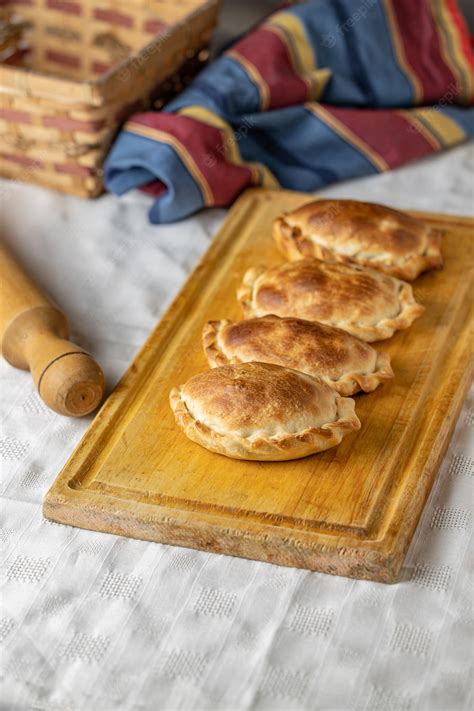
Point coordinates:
[(288, 243), (349, 384), (245, 290), (210, 341), (283, 448), (410, 310), (370, 381)]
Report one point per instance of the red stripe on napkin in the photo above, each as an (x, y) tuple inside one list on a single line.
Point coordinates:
[(205, 145), (417, 30), (376, 127), (264, 50)]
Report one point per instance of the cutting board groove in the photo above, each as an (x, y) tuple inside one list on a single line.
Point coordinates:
[(349, 511)]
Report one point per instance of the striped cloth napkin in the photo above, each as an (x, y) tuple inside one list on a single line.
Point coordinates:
[(320, 92)]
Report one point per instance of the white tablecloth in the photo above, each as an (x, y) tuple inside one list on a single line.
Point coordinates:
[(93, 622)]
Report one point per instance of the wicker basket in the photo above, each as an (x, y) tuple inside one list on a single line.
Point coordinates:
[(71, 72)]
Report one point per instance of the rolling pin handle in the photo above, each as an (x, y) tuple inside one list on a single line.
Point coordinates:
[(34, 336), (68, 380), (72, 384)]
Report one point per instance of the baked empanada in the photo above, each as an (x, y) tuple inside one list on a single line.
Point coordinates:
[(262, 411), (364, 302), (344, 362), (367, 234)]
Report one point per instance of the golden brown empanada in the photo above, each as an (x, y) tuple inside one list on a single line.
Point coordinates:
[(367, 234), (364, 302), (262, 411), (344, 362)]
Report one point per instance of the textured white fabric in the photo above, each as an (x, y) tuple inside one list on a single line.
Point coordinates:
[(92, 622)]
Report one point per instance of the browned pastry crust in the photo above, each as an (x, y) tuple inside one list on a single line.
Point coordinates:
[(341, 360), (364, 302), (365, 233), (262, 411)]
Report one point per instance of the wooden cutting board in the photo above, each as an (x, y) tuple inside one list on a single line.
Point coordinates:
[(349, 511)]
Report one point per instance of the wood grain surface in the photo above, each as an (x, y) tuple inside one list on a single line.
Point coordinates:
[(351, 510)]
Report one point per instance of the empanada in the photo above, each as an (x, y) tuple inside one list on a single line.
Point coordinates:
[(262, 411), (367, 234), (344, 362), (364, 302)]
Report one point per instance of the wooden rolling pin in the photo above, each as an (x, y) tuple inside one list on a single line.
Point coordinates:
[(33, 336)]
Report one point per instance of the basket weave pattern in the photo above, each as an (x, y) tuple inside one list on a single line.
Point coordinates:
[(71, 71)]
